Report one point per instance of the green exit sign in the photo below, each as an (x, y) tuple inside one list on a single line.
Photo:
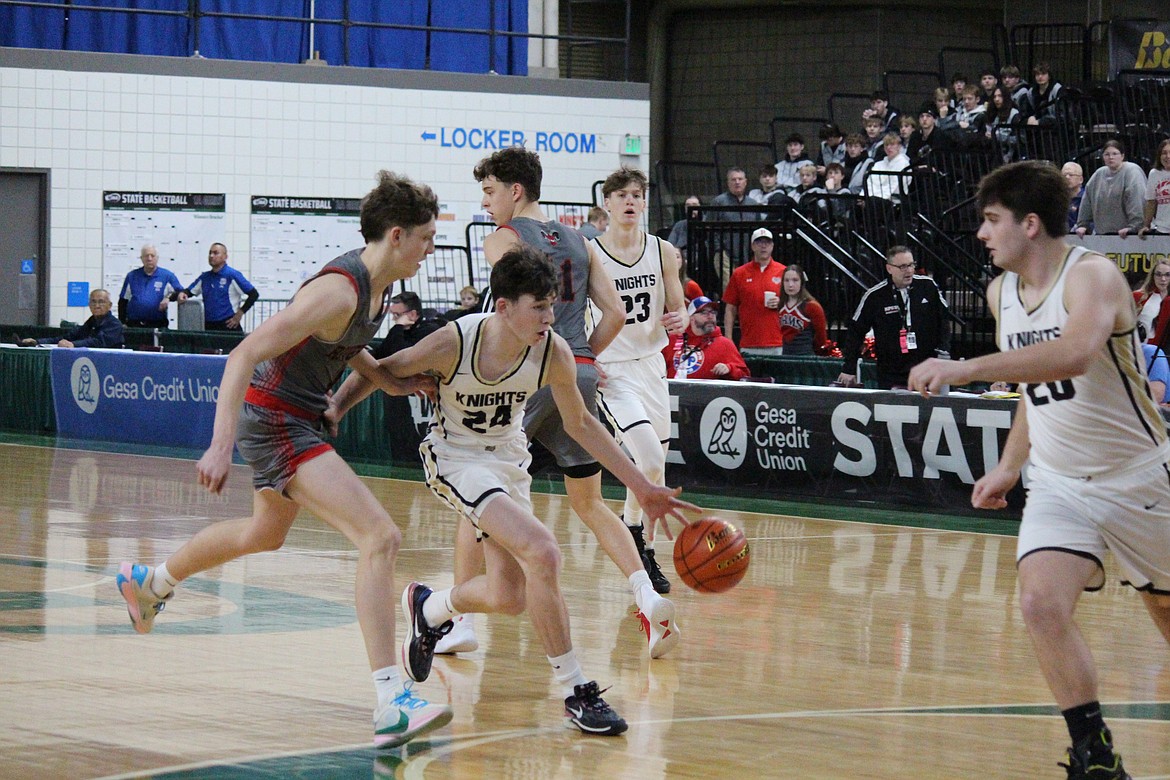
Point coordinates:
[(633, 145)]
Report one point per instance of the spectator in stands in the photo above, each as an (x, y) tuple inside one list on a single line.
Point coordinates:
[(691, 288), (907, 126), (857, 163), (469, 302), (1001, 120), (411, 325), (1114, 200), (1043, 96), (1009, 77), (101, 331), (832, 147), (598, 222), (895, 161), (958, 84), (808, 183), (874, 132), (222, 289), (970, 114), (768, 188), (944, 109), (678, 231), (1157, 372), (754, 295), (928, 138), (802, 319), (1156, 218), (1149, 298), (908, 316), (788, 169), (729, 249), (147, 292), (736, 195), (988, 81), (879, 107), (702, 351), (1074, 178)]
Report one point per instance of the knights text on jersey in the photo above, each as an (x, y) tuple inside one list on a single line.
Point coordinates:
[(478, 413), (642, 290), (1091, 424)]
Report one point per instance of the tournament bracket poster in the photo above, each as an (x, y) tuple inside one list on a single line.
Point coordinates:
[(293, 237), (181, 225)]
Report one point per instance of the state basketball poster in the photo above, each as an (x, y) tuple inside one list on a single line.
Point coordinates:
[(182, 226)]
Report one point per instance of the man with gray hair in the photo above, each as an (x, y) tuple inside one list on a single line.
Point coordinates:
[(147, 292), (1074, 178)]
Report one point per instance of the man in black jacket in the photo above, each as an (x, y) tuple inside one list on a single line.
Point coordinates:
[(102, 330), (908, 316), (411, 324)]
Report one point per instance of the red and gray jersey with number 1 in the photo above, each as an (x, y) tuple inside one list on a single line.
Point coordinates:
[(566, 248), (476, 412)]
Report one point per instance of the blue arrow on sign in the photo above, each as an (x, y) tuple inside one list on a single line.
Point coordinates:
[(428, 136)]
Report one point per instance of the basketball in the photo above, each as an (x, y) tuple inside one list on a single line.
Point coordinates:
[(711, 555)]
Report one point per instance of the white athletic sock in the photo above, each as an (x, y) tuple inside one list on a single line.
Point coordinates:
[(640, 585), (388, 685), (567, 671), (162, 583), (437, 609)]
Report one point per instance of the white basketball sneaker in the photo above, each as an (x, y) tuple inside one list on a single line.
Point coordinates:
[(657, 620), (461, 638)]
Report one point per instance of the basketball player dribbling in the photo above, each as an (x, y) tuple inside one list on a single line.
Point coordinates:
[(511, 181), (476, 457)]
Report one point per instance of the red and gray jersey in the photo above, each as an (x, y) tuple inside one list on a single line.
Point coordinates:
[(299, 379), (566, 248)]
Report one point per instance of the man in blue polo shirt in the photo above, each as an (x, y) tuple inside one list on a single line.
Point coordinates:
[(222, 288), (147, 292)]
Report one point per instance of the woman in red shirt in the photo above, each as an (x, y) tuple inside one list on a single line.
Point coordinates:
[(802, 319)]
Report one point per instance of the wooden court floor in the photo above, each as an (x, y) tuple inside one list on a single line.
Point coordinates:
[(852, 650)]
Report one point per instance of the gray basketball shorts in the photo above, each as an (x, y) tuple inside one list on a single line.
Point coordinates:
[(542, 420), (276, 443)]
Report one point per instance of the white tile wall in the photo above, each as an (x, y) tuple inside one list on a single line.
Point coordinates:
[(104, 131)]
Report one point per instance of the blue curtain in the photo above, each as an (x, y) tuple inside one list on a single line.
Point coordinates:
[(32, 28), (252, 39), (372, 47), (467, 53), (275, 41), (127, 33)]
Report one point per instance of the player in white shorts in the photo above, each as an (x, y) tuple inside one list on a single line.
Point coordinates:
[(476, 455), (1099, 478), (635, 398)]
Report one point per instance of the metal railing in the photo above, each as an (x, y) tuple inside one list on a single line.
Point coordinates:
[(195, 15)]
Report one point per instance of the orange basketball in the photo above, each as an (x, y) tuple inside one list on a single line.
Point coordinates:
[(711, 555)]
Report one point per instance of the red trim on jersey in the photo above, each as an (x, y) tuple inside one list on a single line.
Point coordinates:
[(309, 454), (509, 227), (335, 270), (583, 359), (258, 397)]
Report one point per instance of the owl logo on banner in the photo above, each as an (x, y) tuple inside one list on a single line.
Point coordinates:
[(723, 433), (85, 383)]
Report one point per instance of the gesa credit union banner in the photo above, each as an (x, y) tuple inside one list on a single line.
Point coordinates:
[(136, 397)]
